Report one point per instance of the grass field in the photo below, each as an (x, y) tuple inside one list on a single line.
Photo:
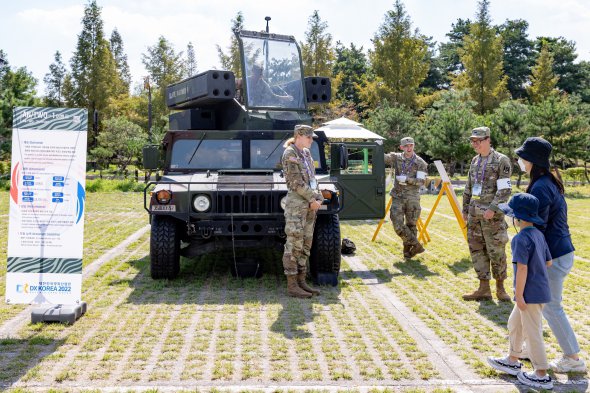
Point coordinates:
[(208, 330)]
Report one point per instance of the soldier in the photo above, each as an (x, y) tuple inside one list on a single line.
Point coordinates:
[(410, 174), (488, 185), (302, 203)]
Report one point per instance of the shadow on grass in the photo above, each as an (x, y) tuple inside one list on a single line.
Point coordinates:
[(19, 356), (497, 312), (413, 267), (461, 266)]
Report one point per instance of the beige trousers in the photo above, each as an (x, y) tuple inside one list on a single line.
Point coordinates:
[(528, 324)]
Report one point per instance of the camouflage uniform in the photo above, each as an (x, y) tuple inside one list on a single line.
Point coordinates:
[(299, 218), (487, 238), (405, 206)]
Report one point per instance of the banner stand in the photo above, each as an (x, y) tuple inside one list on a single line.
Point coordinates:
[(64, 313)]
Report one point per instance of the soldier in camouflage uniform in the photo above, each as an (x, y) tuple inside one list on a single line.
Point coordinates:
[(302, 203), (410, 174), (487, 186)]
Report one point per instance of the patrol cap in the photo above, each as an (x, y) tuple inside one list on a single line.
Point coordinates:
[(480, 132), (304, 130), (407, 141)]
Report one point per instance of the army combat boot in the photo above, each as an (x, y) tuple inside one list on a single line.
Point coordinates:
[(501, 292), (303, 285), (407, 249), (482, 293), (293, 288), (416, 249)]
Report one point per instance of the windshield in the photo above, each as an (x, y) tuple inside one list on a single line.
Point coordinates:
[(273, 74), (260, 150), (212, 154)]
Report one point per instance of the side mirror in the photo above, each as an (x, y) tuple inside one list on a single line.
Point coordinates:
[(151, 157), (343, 157)]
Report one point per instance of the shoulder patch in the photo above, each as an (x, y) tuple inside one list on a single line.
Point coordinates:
[(293, 159), (506, 169)]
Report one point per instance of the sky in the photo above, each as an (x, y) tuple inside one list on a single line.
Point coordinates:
[(31, 31)]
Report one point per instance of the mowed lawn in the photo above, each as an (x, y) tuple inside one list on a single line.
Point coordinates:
[(208, 329)]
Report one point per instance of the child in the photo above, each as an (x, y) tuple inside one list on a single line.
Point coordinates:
[(530, 258)]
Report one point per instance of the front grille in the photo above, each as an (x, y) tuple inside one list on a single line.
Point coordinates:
[(248, 203)]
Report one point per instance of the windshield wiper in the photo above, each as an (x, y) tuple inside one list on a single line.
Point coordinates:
[(276, 147), (197, 148)]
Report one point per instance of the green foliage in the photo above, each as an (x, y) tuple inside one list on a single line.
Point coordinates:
[(446, 127), (558, 119), (104, 185), (231, 60), (482, 56), (508, 124), (120, 142), (393, 123), (543, 80), (576, 174), (449, 51), (349, 68), (317, 53), (518, 55), (116, 42), (400, 57), (54, 81), (191, 61), (564, 54)]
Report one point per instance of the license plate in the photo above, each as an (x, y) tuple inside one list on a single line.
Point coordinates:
[(163, 208)]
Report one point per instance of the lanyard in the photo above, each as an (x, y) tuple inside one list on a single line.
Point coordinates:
[(409, 165), (483, 172), (305, 163)]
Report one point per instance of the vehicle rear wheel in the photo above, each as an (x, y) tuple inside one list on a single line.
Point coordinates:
[(324, 261), (164, 248)]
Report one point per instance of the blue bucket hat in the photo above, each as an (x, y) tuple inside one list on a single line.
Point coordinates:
[(523, 206), (535, 150)]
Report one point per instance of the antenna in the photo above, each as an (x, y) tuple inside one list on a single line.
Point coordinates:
[(267, 19)]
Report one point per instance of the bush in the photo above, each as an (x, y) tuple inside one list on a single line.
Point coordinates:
[(574, 174), (104, 185)]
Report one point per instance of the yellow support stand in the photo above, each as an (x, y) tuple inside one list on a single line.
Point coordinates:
[(447, 189), (423, 237)]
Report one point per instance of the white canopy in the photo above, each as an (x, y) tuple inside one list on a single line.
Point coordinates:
[(346, 128)]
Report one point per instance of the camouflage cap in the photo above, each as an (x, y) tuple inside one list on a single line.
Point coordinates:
[(480, 132), (304, 130), (406, 141)]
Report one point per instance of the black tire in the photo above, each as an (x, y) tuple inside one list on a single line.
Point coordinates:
[(164, 248), (324, 261)]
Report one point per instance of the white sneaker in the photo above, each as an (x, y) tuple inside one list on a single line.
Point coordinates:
[(533, 380), (567, 365), (505, 365)]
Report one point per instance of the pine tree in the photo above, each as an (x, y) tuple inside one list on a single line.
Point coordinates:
[(54, 80), (191, 61), (349, 67), (317, 53), (482, 56), (400, 57), (543, 80), (231, 60), (120, 59), (94, 72), (518, 55)]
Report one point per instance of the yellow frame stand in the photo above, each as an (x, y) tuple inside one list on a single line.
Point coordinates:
[(447, 188), (423, 235)]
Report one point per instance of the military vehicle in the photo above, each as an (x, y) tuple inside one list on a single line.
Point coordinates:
[(222, 186)]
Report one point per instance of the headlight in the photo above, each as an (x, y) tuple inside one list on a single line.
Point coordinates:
[(327, 194), (283, 202), (163, 197), (202, 203)]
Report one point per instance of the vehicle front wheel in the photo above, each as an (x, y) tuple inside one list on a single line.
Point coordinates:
[(324, 261), (164, 248)]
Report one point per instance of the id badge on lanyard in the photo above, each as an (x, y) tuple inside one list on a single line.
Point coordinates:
[(476, 190), (313, 184)]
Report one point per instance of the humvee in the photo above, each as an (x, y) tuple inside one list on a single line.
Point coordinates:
[(222, 185)]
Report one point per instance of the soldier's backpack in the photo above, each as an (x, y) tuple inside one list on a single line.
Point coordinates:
[(348, 247)]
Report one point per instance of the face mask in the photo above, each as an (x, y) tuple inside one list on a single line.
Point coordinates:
[(514, 221), (521, 164)]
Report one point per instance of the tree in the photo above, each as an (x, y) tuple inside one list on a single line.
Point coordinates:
[(54, 80), (435, 78), (122, 140), (482, 56), (94, 71), (392, 123), (317, 53), (518, 55), (445, 127), (449, 51), (191, 61), (120, 59), (543, 80), (400, 57), (349, 67), (231, 60), (564, 54), (560, 120), (17, 88)]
